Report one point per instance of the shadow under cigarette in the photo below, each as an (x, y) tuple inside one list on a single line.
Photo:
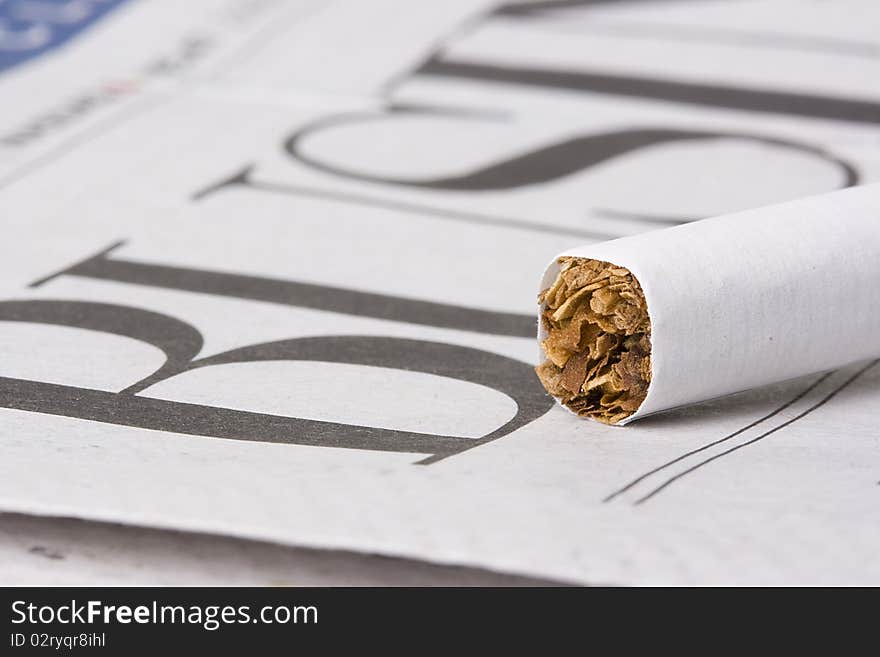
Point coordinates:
[(792, 402)]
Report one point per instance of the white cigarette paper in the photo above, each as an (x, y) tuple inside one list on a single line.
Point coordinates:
[(734, 302)]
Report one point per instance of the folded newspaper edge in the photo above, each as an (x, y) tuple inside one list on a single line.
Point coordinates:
[(683, 315)]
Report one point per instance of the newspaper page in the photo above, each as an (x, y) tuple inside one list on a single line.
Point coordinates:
[(269, 270)]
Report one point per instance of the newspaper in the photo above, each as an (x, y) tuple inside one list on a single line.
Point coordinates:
[(269, 271)]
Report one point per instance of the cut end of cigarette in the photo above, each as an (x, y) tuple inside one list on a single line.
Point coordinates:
[(598, 343)]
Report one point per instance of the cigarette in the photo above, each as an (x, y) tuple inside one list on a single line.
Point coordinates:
[(652, 322)]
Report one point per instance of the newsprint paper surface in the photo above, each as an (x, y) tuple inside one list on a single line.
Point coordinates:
[(269, 270)]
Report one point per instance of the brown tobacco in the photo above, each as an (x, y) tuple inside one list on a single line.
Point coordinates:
[(598, 343)]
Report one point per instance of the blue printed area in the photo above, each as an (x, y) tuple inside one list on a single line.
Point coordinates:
[(30, 28)]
